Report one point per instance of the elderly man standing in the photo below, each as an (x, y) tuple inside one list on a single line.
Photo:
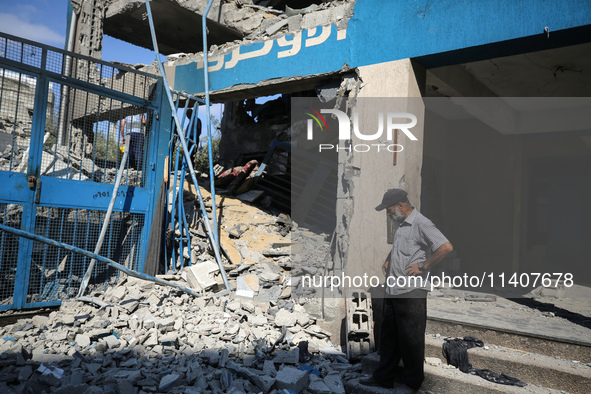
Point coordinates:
[(418, 246)]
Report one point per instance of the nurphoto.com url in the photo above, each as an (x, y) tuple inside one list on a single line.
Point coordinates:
[(514, 280)]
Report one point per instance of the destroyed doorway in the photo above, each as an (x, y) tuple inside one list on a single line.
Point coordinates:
[(483, 150), (262, 128), (60, 119)]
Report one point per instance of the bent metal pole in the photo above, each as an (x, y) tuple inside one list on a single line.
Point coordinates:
[(210, 232), (99, 243), (95, 256)]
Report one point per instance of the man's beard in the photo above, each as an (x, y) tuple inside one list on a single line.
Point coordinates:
[(398, 216)]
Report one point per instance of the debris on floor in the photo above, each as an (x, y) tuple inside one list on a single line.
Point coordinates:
[(150, 338)]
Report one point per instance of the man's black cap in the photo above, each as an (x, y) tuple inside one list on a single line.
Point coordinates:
[(392, 197)]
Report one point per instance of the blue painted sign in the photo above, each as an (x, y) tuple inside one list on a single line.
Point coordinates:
[(386, 30)]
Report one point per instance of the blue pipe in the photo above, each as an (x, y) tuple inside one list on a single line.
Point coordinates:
[(207, 120), (213, 236)]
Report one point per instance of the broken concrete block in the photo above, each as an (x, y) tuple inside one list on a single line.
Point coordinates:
[(269, 368), (82, 340), (118, 293), (40, 320), (72, 389), (93, 367), (125, 387), (129, 305), (334, 382), (211, 355), (153, 299), (292, 379), (225, 380), (287, 356), (168, 381), (271, 294), (233, 305), (238, 230), (248, 360), (248, 306), (258, 320), (132, 376), (25, 373), (250, 280), (317, 386), (294, 23), (276, 27), (199, 275), (223, 358), (112, 341), (285, 318)]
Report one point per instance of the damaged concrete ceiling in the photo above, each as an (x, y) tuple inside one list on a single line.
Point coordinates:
[(178, 28), (556, 81), (560, 72), (178, 22)]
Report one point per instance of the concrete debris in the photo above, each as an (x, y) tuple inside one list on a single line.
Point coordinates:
[(153, 338), (292, 379)]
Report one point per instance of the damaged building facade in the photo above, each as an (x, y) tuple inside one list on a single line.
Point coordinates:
[(490, 137), (343, 51)]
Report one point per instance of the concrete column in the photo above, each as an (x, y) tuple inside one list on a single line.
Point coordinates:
[(364, 177)]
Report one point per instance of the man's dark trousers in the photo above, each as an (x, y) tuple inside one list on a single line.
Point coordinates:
[(402, 335), (136, 150)]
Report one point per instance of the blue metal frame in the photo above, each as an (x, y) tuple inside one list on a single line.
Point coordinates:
[(66, 193)]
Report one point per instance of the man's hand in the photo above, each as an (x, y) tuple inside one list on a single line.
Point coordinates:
[(385, 267), (123, 140), (413, 269)]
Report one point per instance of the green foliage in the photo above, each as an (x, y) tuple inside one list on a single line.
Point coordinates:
[(201, 161), (106, 145)]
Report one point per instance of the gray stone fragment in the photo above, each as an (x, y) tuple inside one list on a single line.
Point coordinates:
[(125, 387), (269, 368), (40, 320), (72, 389), (211, 355), (82, 340), (285, 318), (271, 294), (334, 382), (168, 381), (276, 27), (25, 373), (112, 341), (129, 305), (291, 378), (287, 356), (317, 386), (223, 358)]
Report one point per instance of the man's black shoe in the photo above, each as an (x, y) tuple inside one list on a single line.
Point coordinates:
[(371, 381)]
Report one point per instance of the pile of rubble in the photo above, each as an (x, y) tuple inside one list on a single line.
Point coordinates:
[(153, 338), (265, 335)]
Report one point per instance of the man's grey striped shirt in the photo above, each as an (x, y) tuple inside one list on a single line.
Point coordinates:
[(415, 239)]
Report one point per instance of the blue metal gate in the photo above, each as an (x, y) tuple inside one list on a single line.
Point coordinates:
[(60, 132)]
